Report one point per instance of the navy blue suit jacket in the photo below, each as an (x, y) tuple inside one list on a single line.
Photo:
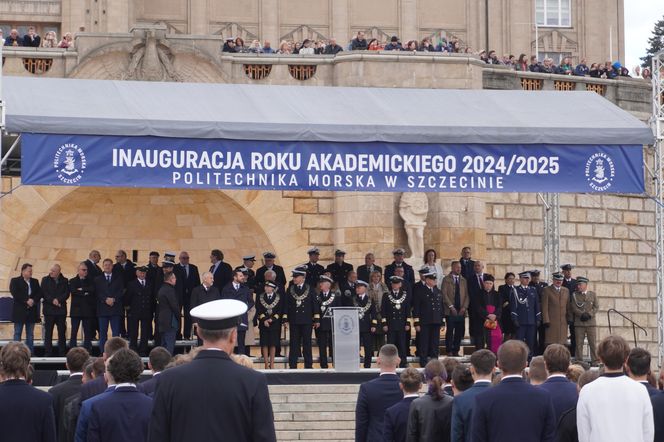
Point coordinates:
[(658, 413), (148, 386), (395, 422), (121, 416), (93, 388), (462, 411), (652, 391), (513, 410), (26, 414), (375, 396), (563, 394)]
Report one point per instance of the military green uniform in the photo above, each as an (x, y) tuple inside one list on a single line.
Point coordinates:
[(583, 308)]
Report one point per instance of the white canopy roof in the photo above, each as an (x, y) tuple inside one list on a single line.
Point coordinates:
[(315, 113)]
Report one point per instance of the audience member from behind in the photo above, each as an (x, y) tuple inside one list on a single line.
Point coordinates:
[(574, 372), (76, 358), (396, 417), (26, 414), (536, 371), (638, 368), (513, 410), (658, 413), (450, 364), (564, 393), (430, 416), (598, 416), (97, 389), (482, 367), (124, 414), (462, 379), (567, 431), (377, 395), (158, 360)]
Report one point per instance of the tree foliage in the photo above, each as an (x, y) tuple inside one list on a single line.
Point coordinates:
[(655, 43)]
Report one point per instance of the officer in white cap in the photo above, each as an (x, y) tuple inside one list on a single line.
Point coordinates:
[(367, 317), (526, 313), (428, 318), (301, 314), (326, 298), (212, 397), (395, 315)]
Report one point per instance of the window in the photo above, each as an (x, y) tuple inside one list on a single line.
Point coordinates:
[(553, 12)]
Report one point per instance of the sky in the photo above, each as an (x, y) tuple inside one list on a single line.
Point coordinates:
[(640, 18)]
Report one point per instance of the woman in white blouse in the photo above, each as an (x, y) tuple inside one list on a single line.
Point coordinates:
[(431, 261)]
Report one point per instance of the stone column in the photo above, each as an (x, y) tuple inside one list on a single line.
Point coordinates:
[(117, 17), (198, 18), (73, 16), (340, 25), (459, 220), (364, 222), (408, 21), (269, 22)]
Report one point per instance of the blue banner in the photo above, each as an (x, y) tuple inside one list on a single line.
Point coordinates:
[(82, 160)]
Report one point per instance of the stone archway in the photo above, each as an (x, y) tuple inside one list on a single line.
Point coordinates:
[(142, 220)]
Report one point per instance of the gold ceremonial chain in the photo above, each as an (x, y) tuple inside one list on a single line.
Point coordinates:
[(396, 301), (365, 309), (327, 302), (299, 298), (267, 306)]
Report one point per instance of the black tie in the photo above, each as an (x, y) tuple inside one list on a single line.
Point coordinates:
[(108, 279), (212, 268), (457, 294), (142, 283)]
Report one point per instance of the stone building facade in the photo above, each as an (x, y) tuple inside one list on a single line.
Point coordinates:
[(589, 28), (610, 238)]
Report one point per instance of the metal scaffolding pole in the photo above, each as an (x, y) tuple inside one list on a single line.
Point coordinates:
[(551, 218), (658, 129)]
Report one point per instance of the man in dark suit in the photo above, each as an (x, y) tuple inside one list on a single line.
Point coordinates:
[(236, 289), (376, 396), (364, 271), (205, 292), (314, 270), (482, 366), (168, 312), (109, 289), (139, 300), (158, 360), (467, 263), (124, 414), (268, 259), (83, 307), (92, 263), (494, 418), (638, 368), (564, 393), (475, 292), (96, 389), (506, 292), (409, 273), (395, 423), (26, 294), (76, 359), (98, 384), (339, 268), (124, 267), (658, 414), (31, 39), (221, 271), (55, 292), (26, 414), (570, 284), (242, 410)]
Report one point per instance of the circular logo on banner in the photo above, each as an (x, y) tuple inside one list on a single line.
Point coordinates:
[(346, 325), (600, 172), (69, 163)]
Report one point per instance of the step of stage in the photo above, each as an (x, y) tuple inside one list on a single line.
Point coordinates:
[(314, 412)]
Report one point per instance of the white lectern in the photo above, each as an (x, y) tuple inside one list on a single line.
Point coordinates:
[(346, 336)]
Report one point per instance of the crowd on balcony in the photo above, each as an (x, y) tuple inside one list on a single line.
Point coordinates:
[(606, 70), (34, 40)]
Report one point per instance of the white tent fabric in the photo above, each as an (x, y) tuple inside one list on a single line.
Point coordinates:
[(314, 113)]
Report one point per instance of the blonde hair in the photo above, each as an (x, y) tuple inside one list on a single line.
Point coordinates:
[(243, 360)]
